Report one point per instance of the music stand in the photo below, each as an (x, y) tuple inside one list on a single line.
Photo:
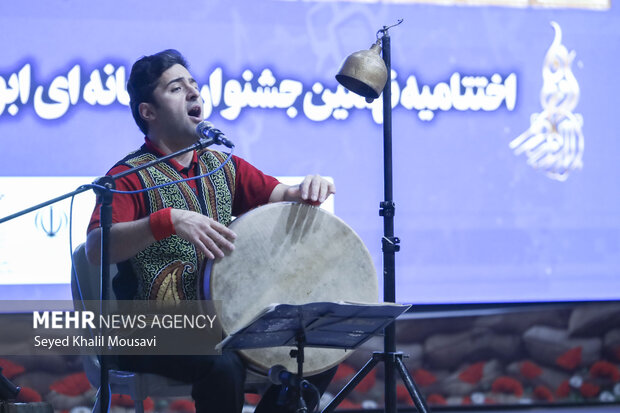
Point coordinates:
[(319, 324)]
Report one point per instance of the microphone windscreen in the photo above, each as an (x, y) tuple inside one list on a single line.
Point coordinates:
[(203, 128), (275, 372)]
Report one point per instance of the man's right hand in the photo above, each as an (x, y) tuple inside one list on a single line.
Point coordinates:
[(128, 238), (207, 235)]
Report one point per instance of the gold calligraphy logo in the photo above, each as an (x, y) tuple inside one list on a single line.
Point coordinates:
[(554, 141)]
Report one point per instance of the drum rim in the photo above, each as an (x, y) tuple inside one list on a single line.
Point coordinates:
[(252, 362)]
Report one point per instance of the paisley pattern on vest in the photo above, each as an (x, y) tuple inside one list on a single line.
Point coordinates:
[(170, 269)]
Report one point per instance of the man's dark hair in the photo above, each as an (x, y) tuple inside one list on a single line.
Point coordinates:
[(145, 74)]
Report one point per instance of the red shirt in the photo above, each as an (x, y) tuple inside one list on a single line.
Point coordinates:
[(252, 189)]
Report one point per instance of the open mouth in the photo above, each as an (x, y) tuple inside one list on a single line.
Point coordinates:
[(195, 112)]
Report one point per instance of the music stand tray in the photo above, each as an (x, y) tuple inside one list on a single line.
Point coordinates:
[(321, 324)]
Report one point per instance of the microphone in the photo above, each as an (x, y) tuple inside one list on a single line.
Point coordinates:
[(205, 129), (279, 375)]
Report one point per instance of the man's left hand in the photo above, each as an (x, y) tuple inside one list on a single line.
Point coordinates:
[(313, 190)]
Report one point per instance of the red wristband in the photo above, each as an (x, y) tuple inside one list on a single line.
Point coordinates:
[(161, 224)]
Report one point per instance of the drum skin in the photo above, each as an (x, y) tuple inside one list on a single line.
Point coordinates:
[(289, 253)]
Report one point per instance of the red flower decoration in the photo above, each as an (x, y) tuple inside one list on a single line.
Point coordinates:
[(368, 382), (10, 369), (543, 393), (508, 385), (570, 359), (436, 399), (252, 399), (182, 405), (589, 390), (348, 404), (473, 373), (344, 372), (529, 370), (402, 395), (466, 401), (72, 385), (125, 401), (605, 369), (122, 400), (490, 400), (563, 389), (424, 377), (28, 395)]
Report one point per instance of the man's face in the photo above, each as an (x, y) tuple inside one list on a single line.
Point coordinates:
[(178, 105)]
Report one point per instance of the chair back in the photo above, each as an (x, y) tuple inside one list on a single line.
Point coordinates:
[(85, 278), (86, 286)]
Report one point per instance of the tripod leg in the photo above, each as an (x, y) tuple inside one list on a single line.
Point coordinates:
[(417, 398), (359, 376)]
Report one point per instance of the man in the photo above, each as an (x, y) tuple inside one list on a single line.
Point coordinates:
[(185, 223)]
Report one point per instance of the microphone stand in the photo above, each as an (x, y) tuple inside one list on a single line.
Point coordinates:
[(393, 360), (103, 188)]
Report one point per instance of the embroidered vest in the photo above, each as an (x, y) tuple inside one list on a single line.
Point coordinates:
[(171, 269)]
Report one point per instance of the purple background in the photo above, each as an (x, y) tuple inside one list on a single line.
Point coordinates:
[(477, 224)]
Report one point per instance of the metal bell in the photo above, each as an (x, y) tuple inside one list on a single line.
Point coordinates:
[(364, 72)]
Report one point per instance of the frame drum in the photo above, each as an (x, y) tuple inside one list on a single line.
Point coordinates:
[(289, 253)]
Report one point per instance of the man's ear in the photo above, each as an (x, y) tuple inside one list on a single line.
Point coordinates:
[(146, 110)]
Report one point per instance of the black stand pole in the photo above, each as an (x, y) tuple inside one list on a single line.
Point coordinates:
[(389, 243), (104, 192), (299, 355), (392, 359)]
